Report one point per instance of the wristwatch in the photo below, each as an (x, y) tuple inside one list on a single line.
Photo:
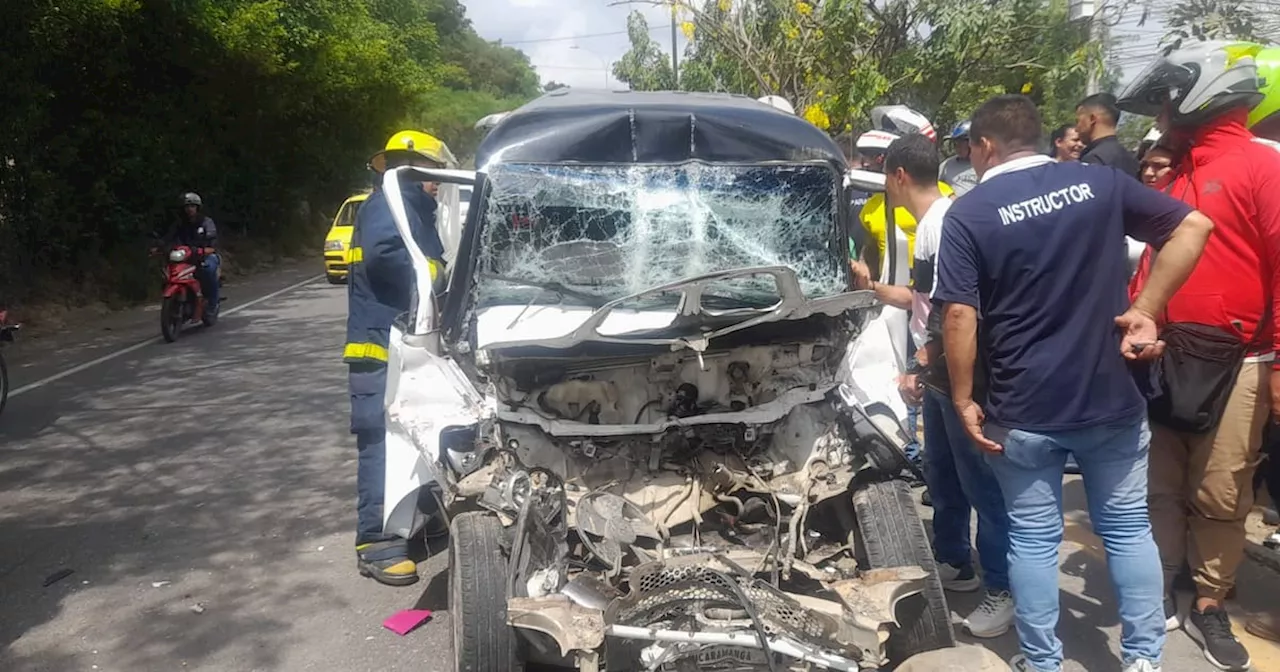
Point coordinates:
[(915, 367)]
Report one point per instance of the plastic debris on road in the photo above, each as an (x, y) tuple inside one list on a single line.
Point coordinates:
[(402, 623)]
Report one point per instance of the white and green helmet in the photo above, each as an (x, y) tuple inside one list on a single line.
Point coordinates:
[(1267, 111), (1198, 81)]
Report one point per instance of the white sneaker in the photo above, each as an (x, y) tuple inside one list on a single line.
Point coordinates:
[(960, 579), (1142, 666), (993, 616)]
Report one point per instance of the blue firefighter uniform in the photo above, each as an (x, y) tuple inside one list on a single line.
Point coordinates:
[(380, 287)]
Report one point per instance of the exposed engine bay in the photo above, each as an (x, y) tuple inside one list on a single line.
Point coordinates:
[(711, 492), (679, 434)]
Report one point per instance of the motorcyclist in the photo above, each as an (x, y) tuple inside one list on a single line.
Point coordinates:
[(196, 230), (958, 171), (380, 288), (1203, 93)]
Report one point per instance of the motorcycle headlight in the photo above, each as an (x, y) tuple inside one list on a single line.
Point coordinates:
[(177, 255), (333, 246)]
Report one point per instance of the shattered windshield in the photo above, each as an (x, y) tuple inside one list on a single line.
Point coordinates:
[(585, 235)]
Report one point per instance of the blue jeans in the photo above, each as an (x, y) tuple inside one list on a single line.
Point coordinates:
[(958, 479), (1113, 463), (208, 276), (912, 449)]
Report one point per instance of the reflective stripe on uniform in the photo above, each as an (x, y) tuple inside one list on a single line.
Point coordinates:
[(365, 351), (437, 266)]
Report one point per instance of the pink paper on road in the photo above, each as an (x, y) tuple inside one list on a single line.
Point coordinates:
[(402, 623)]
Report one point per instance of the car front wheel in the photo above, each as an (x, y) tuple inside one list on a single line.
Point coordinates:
[(482, 640), (894, 536)]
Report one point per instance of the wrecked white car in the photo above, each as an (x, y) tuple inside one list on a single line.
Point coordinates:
[(666, 433)]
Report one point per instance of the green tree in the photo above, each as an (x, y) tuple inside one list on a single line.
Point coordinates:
[(112, 108), (1215, 20), (835, 59), (643, 67)]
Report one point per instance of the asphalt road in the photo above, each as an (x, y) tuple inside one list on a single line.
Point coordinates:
[(201, 494)]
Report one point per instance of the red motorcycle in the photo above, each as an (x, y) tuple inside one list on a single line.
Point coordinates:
[(183, 301), (6, 336)]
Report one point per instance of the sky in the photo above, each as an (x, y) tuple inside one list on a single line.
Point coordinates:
[(563, 37)]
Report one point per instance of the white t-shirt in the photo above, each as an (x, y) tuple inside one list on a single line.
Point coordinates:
[(924, 272)]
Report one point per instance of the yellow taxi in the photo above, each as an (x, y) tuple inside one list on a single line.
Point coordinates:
[(337, 245)]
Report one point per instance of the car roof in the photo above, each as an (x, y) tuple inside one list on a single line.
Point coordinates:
[(633, 127), (356, 198)]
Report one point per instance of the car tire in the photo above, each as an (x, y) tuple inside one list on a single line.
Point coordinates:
[(482, 640), (893, 535)]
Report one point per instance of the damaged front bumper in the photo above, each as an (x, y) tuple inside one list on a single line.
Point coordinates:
[(710, 611)]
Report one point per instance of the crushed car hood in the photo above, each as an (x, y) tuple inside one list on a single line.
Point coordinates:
[(563, 327)]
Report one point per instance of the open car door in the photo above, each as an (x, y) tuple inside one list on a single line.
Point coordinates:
[(416, 373)]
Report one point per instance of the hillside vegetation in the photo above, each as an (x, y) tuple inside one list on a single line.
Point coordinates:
[(110, 109)]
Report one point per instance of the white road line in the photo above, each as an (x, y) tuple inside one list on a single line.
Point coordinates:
[(138, 346)]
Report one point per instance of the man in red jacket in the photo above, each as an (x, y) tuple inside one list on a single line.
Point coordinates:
[(1200, 480)]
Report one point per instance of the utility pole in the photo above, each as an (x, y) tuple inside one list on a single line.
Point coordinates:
[(675, 61), (1095, 37), (1087, 10)]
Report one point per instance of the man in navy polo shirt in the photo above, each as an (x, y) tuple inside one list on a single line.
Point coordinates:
[(1033, 266)]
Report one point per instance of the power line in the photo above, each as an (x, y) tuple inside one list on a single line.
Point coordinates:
[(568, 67), (579, 37)]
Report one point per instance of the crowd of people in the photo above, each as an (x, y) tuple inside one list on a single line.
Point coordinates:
[(1036, 342)]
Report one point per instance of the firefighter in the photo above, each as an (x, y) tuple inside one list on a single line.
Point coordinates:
[(380, 287)]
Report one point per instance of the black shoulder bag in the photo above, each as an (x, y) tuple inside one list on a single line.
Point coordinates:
[(1194, 377)]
